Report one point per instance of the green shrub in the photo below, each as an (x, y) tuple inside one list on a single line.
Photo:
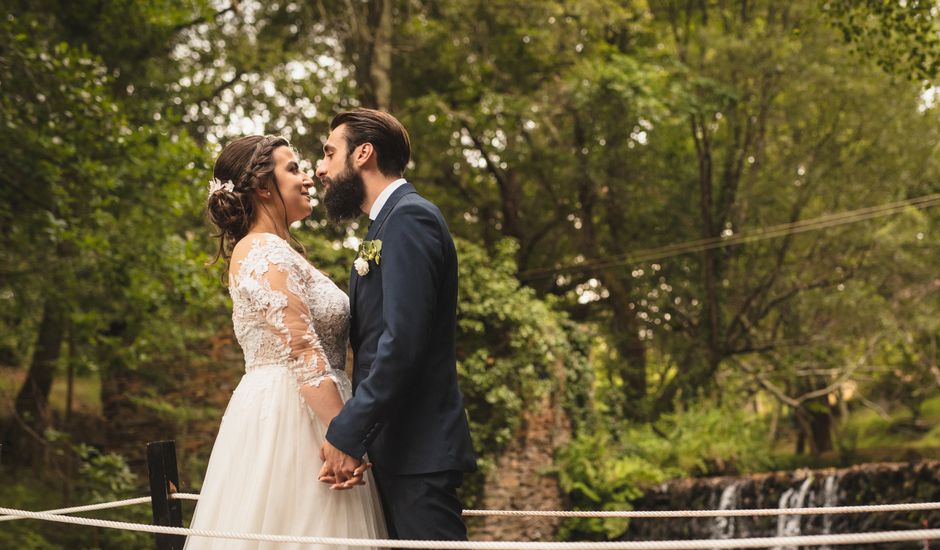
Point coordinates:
[(598, 471)]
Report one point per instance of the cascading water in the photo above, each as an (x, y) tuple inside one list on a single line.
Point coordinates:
[(863, 484), (800, 496), (723, 527), (789, 526), (830, 498)]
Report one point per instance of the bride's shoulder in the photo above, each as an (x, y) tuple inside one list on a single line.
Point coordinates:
[(260, 248), (253, 241)]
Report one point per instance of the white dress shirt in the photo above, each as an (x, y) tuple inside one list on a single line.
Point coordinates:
[(383, 197)]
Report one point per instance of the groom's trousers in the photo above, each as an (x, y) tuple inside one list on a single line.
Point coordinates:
[(422, 506)]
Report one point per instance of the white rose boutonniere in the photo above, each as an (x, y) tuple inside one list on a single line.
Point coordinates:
[(362, 267), (368, 251)]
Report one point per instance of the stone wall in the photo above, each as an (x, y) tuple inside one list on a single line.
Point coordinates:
[(524, 479), (880, 483)]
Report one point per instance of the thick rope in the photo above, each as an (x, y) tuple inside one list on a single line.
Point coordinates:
[(88, 508), (916, 506), (744, 512), (763, 542), (874, 508)]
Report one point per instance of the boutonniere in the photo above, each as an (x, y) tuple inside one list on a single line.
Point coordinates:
[(369, 251)]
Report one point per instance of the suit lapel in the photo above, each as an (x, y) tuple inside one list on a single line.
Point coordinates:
[(405, 189), (373, 231), (353, 279)]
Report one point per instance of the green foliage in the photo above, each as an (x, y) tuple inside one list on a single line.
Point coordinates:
[(92, 227), (99, 477), (708, 438), (103, 477), (596, 477), (551, 134), (512, 348), (601, 472), (902, 37), (29, 494), (880, 433)]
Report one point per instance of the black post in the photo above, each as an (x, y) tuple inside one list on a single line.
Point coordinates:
[(164, 480)]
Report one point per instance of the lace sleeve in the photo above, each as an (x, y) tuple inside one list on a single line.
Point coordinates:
[(289, 317), (275, 285)]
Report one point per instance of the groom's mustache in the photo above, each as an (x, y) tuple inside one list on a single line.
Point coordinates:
[(343, 195), (326, 182), (327, 186)]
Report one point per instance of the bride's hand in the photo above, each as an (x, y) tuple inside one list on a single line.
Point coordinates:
[(349, 483), (362, 468), (358, 478)]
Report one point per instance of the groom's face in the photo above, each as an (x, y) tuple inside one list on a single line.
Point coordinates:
[(344, 192)]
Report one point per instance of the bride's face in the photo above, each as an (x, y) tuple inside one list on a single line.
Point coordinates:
[(294, 185)]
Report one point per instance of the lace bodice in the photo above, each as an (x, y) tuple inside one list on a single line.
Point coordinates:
[(286, 313)]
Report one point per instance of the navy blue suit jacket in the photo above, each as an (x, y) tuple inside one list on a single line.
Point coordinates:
[(406, 411)]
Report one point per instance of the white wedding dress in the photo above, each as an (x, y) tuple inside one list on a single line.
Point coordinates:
[(292, 324)]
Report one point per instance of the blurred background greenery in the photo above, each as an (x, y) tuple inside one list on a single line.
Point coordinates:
[(561, 139)]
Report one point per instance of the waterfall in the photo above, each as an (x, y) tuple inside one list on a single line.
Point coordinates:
[(829, 488), (830, 498), (723, 527), (789, 526)]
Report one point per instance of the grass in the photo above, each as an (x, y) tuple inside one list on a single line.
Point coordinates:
[(86, 398), (874, 436), (866, 429), (867, 435)]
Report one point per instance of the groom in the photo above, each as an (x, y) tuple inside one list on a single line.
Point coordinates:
[(406, 410)]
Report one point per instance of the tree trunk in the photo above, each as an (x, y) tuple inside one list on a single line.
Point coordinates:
[(369, 51), (119, 385), (381, 68), (701, 374), (625, 333), (815, 427), (32, 401), (820, 423)]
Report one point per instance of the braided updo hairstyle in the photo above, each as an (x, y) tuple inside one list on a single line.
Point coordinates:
[(248, 162)]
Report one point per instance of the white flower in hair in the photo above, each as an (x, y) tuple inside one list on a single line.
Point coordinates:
[(216, 185)]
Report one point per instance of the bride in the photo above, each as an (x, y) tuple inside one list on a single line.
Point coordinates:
[(292, 324)]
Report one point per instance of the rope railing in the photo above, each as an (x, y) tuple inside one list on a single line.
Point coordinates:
[(171, 535), (89, 507), (757, 542), (654, 514), (661, 514), (633, 514)]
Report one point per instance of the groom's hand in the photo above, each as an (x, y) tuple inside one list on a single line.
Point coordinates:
[(339, 469), (356, 479)]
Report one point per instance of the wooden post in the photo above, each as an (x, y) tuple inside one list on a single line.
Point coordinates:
[(164, 480)]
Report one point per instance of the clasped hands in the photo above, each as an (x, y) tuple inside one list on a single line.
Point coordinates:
[(339, 469)]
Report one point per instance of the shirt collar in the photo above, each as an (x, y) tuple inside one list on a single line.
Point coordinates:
[(383, 197)]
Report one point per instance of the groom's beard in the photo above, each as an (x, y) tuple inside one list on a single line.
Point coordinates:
[(344, 195)]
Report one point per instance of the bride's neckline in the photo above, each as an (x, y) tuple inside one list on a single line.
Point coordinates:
[(250, 233), (283, 240)]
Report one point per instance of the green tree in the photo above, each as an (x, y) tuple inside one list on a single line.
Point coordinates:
[(902, 37)]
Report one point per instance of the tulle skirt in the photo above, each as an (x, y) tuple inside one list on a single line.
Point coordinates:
[(262, 474)]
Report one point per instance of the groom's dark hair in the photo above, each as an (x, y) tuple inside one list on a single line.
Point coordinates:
[(386, 134)]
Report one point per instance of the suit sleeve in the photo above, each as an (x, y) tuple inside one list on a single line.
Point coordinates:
[(411, 262)]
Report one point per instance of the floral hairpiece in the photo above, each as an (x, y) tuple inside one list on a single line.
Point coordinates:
[(216, 185)]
